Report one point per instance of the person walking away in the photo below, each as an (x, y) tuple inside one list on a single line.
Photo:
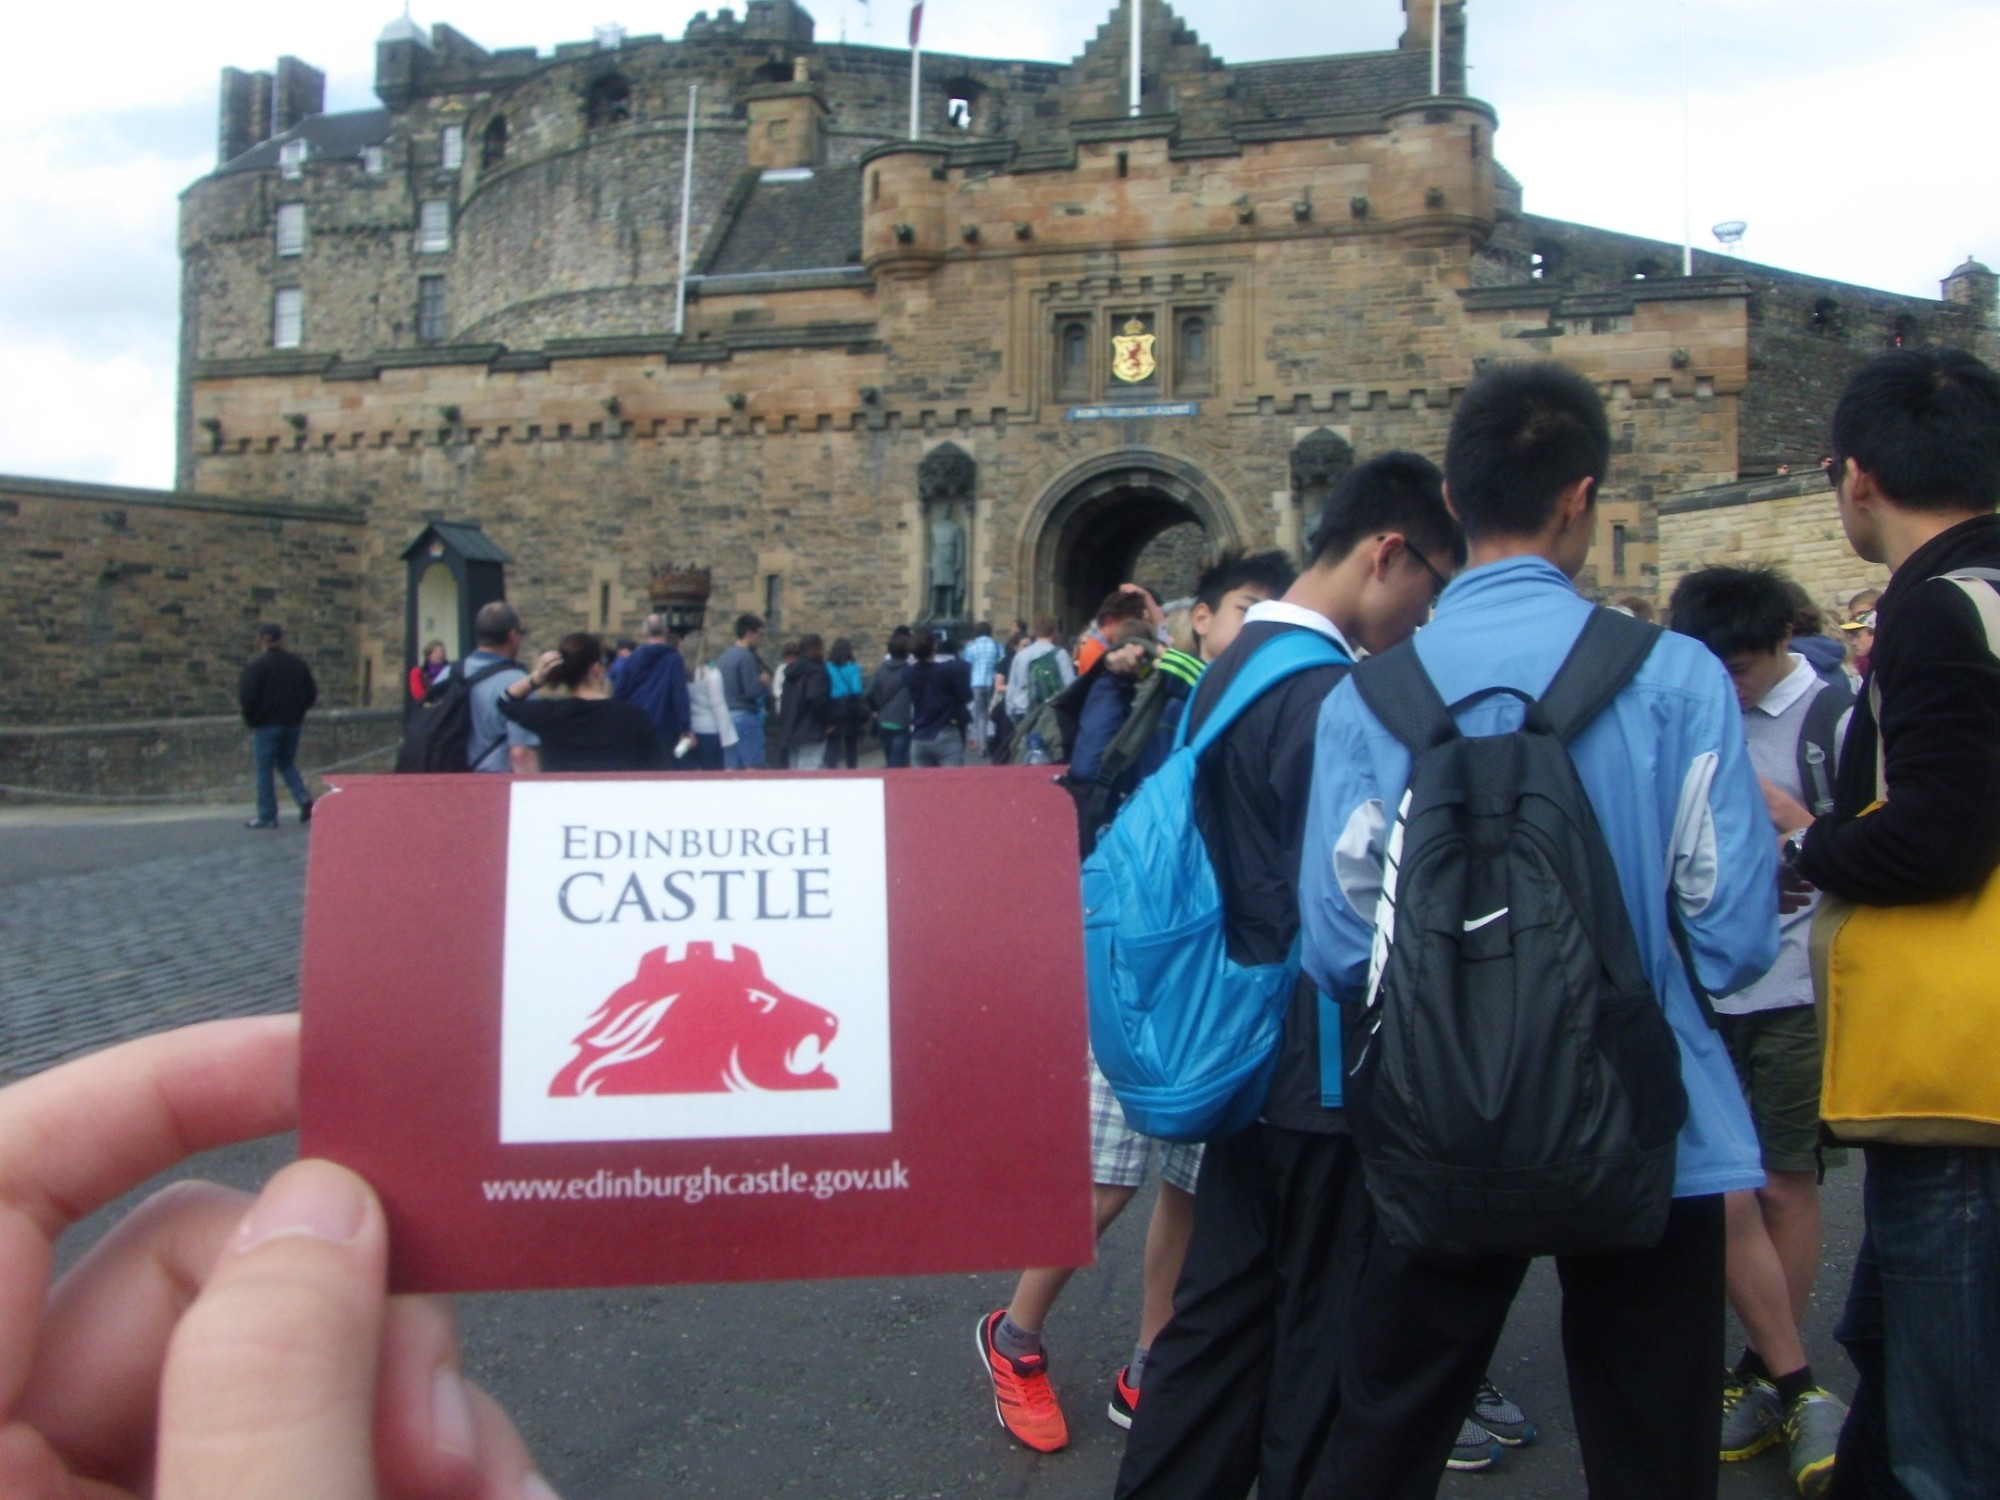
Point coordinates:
[(708, 715), (275, 692), (1665, 769), (1793, 721), (805, 711), (889, 699), (654, 677), (1239, 1389), (1030, 685), (939, 692), (848, 710), (1120, 1156), (744, 685), (1915, 821), (981, 657), (585, 728)]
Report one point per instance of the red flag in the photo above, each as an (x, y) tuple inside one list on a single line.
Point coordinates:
[(916, 21)]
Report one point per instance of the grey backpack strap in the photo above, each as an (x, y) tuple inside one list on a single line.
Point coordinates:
[(1818, 748), (1605, 657)]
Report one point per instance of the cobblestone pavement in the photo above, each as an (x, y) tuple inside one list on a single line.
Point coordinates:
[(111, 926), (180, 920)]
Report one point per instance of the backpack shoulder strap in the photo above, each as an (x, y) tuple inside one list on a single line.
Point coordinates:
[(493, 670), (1605, 657), (1276, 660), (1817, 747), (1400, 693), (1985, 600)]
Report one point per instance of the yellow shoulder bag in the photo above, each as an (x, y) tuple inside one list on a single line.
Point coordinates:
[(1909, 996)]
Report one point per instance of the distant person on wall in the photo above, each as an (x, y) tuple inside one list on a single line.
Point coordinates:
[(585, 729), (654, 679), (428, 671), (745, 682), (275, 691)]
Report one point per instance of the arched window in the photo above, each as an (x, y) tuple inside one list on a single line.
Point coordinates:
[(493, 143), (1646, 269), (1191, 353), (610, 102), (1905, 333), (962, 98), (1073, 356)]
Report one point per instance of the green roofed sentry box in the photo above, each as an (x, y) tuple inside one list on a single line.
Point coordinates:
[(454, 568)]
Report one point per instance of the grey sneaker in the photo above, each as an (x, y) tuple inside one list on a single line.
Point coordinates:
[(1751, 1418), (1474, 1449), (1506, 1421), (1812, 1431)]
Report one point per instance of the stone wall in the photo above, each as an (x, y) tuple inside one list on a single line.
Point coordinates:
[(123, 604), (1789, 522)]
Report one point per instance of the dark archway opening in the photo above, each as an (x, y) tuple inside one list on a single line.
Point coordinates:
[(1125, 533)]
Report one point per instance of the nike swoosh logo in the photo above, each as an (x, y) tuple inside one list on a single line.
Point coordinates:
[(1492, 916)]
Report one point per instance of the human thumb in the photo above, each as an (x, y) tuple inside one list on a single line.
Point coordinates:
[(269, 1387)]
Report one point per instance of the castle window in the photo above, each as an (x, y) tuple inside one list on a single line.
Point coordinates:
[(451, 148), (1825, 315), (374, 160), (288, 318), (430, 309), (1904, 333), (609, 103), (958, 113), (291, 228), (493, 143), (1073, 357), (433, 225), (1544, 261), (1646, 269), (1192, 371), (292, 159), (1618, 550), (961, 103)]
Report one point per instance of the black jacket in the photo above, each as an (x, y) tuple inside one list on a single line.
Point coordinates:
[(805, 711), (1939, 835), (1250, 805), (276, 688)]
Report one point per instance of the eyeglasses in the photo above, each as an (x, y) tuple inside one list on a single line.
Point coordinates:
[(1417, 553)]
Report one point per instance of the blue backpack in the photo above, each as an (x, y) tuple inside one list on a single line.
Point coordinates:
[(1187, 1037)]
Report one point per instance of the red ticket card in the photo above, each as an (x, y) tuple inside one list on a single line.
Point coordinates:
[(609, 1030)]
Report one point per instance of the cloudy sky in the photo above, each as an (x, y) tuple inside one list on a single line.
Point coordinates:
[(1854, 136)]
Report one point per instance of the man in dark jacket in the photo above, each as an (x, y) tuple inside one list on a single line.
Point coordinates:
[(275, 691), (806, 707), (1916, 443), (654, 677)]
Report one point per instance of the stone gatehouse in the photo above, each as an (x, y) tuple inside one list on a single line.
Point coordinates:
[(1057, 339)]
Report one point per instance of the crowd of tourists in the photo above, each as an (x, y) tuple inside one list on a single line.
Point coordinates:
[(1551, 894)]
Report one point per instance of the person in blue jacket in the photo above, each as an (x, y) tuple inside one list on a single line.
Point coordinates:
[(1674, 791)]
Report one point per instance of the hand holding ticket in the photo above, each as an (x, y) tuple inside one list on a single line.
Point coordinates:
[(151, 1367)]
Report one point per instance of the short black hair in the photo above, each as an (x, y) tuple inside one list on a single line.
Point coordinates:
[(1925, 424), (1523, 434), (923, 645), (1395, 491), (1733, 610), (1270, 571), (747, 623), (270, 631)]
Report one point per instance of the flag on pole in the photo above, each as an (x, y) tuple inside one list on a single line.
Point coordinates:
[(916, 22)]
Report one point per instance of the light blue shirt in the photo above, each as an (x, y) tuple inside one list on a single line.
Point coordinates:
[(493, 734), (1668, 776)]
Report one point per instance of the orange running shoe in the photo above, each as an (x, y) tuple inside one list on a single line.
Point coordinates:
[(1023, 1400), (1124, 1399)]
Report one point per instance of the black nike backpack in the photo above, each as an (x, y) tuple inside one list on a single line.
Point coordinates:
[(1513, 1086), (438, 736)]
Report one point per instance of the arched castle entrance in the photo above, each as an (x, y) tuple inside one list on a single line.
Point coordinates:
[(1135, 513)]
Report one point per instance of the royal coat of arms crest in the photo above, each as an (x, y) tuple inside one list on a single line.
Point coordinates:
[(1132, 353)]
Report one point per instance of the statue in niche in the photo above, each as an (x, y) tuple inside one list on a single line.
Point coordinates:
[(947, 565), (945, 481)]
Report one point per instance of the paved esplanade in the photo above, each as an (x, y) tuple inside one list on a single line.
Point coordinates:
[(114, 925)]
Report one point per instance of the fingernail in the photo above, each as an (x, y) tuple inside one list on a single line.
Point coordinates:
[(534, 1487), (308, 1200), (451, 1414)]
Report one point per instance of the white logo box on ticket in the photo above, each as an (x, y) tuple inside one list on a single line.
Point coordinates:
[(698, 959)]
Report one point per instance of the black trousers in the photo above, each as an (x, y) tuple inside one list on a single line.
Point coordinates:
[(1642, 1338), (1240, 1385)]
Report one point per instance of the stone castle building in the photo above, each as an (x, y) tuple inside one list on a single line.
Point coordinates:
[(1049, 344)]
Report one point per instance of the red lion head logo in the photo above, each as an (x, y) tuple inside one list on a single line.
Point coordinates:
[(702, 1025)]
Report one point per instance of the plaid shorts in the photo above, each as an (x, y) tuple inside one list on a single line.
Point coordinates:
[(1118, 1153)]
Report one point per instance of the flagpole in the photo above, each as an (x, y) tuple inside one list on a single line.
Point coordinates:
[(1437, 47), (1687, 155), (916, 63), (687, 200), (1138, 21)]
